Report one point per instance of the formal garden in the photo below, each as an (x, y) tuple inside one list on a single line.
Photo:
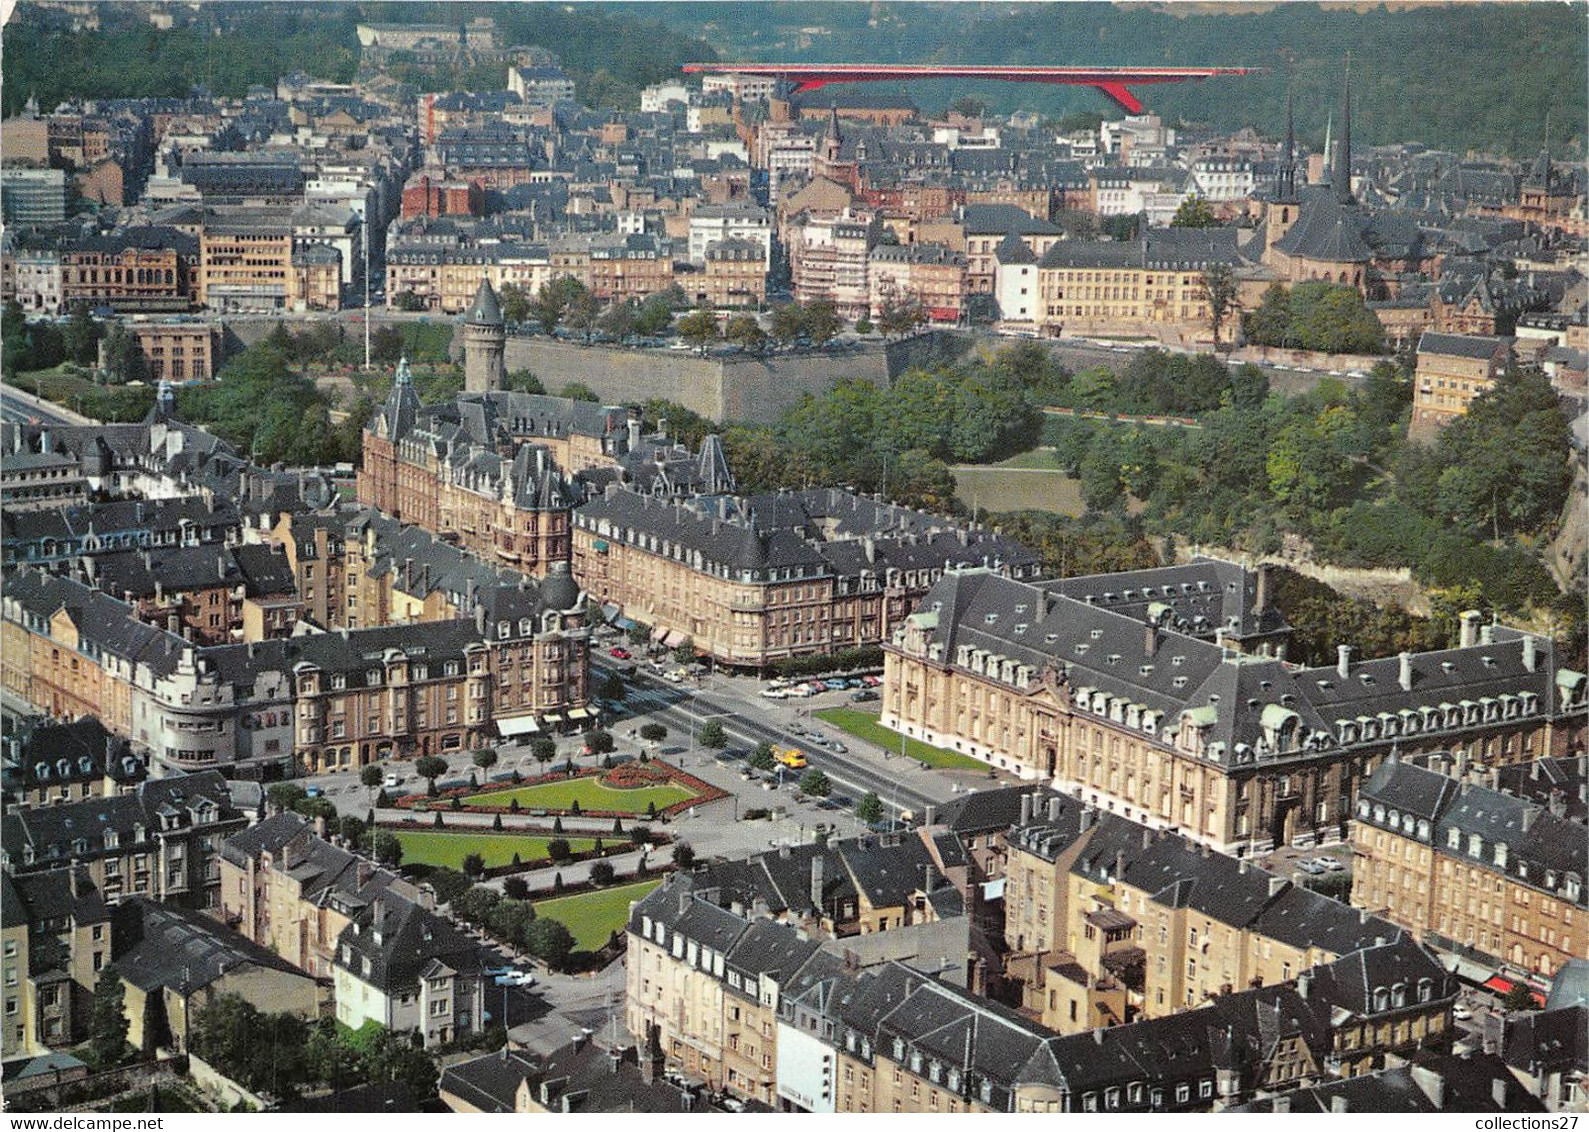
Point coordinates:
[(593, 916), (652, 790), (496, 850)]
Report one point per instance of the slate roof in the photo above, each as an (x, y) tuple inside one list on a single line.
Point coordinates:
[(484, 311), (400, 940), (161, 945), (41, 752), (1476, 346), (1547, 1041), (971, 614), (50, 831), (1174, 249), (1542, 849), (993, 219)]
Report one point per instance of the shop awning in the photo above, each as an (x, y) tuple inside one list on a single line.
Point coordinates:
[(580, 713), (599, 546), (517, 725), (659, 633), (675, 639), (623, 623), (609, 612), (551, 718)]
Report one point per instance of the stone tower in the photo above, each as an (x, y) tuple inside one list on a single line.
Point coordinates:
[(485, 339)]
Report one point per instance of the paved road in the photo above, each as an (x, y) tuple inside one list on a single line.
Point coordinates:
[(22, 408)]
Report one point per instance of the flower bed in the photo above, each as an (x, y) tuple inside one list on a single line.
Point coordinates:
[(653, 776)]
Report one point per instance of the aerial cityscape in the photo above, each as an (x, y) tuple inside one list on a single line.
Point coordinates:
[(793, 557)]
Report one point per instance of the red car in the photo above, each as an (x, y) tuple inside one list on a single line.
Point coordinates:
[(621, 654)]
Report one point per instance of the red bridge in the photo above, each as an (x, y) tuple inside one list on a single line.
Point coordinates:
[(1113, 81)]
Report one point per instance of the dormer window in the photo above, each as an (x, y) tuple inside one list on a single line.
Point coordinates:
[(339, 681)]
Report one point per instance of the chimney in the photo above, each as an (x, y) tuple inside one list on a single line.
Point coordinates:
[(1362, 916), (1338, 1104), (1026, 809), (1404, 677), (1282, 1103), (320, 827), (1530, 652), (1498, 1091), (651, 1055), (1055, 803), (1470, 628), (1242, 866), (930, 815), (480, 619), (1147, 838), (1343, 660), (816, 882), (1305, 984), (783, 850), (1261, 602), (1430, 1083), (929, 879), (1277, 886), (1120, 865), (1150, 639), (1487, 634)]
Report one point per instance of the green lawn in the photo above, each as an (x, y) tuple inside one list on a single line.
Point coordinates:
[(864, 725), (1031, 486), (449, 849), (594, 916), (588, 792)]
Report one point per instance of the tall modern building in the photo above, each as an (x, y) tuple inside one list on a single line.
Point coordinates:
[(33, 196)]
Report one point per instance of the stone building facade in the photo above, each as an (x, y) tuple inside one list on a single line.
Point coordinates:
[(1138, 711)]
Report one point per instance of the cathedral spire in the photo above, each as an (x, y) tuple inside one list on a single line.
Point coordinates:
[(1288, 162), (1341, 174)]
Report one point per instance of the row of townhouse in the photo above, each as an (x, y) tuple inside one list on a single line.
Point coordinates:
[(765, 1010), (322, 701), (1111, 688)]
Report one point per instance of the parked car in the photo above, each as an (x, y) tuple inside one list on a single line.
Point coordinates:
[(1312, 868), (796, 729), (864, 696), (313, 792), (1329, 864), (392, 780), (775, 693), (837, 747), (835, 685), (872, 681), (621, 654), (1461, 1012)]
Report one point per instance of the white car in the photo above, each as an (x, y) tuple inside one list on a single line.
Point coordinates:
[(1461, 1013), (774, 694), (391, 780)]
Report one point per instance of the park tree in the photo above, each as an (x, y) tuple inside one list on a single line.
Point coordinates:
[(516, 888), (430, 768), (401, 1059), (523, 381), (284, 796), (712, 735), (599, 742), (1218, 286), (762, 757), (82, 335), (683, 854), (108, 1023), (612, 687), (815, 783), (371, 775), (743, 330), (618, 320), (653, 732), (387, 848), (514, 302), (1194, 212), (557, 849), (601, 873), (699, 329), (579, 391), (552, 300), (485, 758), (788, 324), (543, 749), (474, 865), (653, 318), (583, 312), (550, 941), (123, 358), (896, 320), (1519, 998), (821, 322), (869, 809)]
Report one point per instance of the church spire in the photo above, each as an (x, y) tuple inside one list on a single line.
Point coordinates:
[(1341, 174), (1288, 162)]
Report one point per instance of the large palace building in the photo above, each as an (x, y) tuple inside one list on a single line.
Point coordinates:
[(1161, 695)]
